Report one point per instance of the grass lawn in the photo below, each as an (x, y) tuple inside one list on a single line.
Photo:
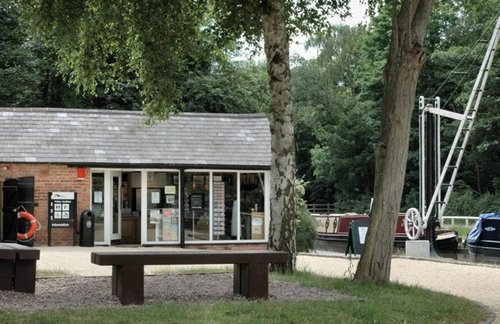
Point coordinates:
[(371, 303)]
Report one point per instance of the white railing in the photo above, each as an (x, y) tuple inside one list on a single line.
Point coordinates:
[(467, 221)]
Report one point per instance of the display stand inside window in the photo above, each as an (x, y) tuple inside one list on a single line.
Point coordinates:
[(219, 210)]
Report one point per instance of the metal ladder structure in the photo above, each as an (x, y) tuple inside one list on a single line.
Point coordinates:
[(415, 221)]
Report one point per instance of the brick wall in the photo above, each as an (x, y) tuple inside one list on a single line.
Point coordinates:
[(49, 178)]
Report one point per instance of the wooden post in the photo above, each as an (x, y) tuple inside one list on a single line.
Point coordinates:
[(128, 283), (251, 280)]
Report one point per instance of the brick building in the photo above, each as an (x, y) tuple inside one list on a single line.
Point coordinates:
[(195, 179)]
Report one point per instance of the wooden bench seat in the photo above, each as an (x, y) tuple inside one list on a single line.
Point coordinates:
[(251, 269), (18, 267)]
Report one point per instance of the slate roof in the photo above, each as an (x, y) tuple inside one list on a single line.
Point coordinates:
[(121, 138)]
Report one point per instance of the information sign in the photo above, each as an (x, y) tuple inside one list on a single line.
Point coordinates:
[(62, 211), (356, 237)]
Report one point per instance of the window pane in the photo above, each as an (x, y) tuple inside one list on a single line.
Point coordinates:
[(98, 205), (163, 207), (225, 226), (252, 206), (116, 204), (196, 206)]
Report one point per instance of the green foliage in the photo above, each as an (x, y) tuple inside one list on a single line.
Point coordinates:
[(19, 77), (462, 203), (345, 157), (306, 231), (152, 45), (101, 43), (234, 18), (306, 228), (28, 76), (467, 202), (335, 131), (227, 88), (210, 84)]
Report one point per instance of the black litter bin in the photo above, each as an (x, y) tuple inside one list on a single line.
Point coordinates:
[(87, 223)]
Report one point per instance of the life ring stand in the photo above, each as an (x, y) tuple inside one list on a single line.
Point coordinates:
[(30, 233)]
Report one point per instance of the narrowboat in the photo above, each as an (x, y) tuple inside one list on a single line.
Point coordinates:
[(334, 228), (484, 238)]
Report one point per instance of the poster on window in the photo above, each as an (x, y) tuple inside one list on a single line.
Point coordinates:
[(155, 197), (170, 224)]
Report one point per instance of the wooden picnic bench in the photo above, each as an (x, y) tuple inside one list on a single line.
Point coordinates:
[(251, 269), (18, 267)]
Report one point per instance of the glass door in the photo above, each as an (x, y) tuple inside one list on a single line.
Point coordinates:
[(98, 206), (116, 203)]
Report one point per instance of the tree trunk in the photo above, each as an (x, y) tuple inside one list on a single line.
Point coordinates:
[(406, 57), (276, 46)]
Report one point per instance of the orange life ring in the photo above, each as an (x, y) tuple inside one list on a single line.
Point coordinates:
[(31, 231)]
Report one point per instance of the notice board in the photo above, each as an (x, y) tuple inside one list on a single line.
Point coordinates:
[(356, 237)]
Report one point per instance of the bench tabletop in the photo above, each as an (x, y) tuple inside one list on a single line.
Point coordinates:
[(23, 252), (188, 257), (7, 253)]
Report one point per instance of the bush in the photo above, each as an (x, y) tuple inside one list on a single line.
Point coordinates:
[(462, 203), (305, 229), (467, 202)]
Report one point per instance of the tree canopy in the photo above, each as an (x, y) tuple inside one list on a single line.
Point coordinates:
[(152, 44)]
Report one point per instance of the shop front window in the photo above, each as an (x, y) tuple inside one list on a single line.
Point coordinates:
[(225, 224), (162, 207), (98, 205), (252, 220), (197, 206)]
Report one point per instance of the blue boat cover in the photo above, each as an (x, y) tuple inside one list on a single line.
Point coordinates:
[(474, 234)]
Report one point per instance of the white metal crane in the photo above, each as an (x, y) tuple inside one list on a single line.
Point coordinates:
[(416, 221)]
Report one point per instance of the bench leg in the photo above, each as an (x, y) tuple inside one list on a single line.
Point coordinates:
[(251, 280), (127, 282), (25, 276), (6, 274)]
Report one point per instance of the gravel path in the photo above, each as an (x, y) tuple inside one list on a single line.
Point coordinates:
[(78, 292)]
